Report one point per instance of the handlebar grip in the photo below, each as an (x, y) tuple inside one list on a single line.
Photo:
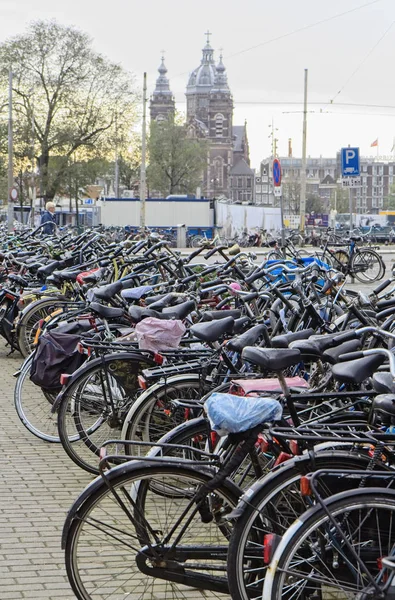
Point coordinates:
[(208, 284), (382, 286), (211, 252), (194, 253), (255, 276), (351, 356), (153, 248), (208, 271), (147, 265), (190, 278), (345, 337)]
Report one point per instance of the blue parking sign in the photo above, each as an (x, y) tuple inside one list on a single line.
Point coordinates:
[(350, 162)]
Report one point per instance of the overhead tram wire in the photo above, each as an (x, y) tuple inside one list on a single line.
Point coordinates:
[(361, 64), (295, 31), (304, 28)]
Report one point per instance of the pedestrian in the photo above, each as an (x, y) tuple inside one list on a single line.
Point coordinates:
[(47, 218)]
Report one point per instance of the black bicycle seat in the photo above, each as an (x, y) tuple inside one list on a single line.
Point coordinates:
[(214, 315), (271, 359), (246, 339), (356, 371), (213, 330), (332, 354), (283, 341), (107, 312), (106, 292)]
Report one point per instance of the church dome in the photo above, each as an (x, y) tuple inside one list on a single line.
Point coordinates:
[(221, 80), (202, 79)]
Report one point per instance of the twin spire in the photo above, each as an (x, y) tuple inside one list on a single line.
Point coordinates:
[(220, 82)]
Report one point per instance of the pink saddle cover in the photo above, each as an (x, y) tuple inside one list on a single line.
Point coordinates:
[(257, 386)]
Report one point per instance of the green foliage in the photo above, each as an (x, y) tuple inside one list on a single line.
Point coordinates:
[(313, 204), (71, 105), (176, 162), (340, 199)]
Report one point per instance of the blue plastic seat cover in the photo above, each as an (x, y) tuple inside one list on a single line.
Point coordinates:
[(232, 414)]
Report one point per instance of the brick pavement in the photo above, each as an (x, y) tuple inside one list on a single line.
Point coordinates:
[(38, 484)]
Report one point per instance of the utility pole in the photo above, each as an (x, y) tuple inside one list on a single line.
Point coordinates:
[(303, 171), (10, 211), (143, 184), (116, 175)]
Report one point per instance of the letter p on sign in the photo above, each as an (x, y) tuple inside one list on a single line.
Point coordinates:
[(350, 155)]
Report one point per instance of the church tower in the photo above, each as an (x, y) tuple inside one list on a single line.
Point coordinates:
[(220, 117), (162, 105)]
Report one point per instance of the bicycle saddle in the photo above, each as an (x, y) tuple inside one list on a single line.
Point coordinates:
[(107, 312), (213, 330), (214, 315), (136, 293), (332, 354), (383, 383), (283, 341), (246, 339), (356, 371), (271, 359), (18, 280), (106, 292)]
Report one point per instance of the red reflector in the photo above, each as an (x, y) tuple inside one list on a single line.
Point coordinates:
[(103, 453), (270, 542), (64, 378), (294, 447), (158, 358), (142, 382), (283, 456), (214, 437), (305, 487), (10, 296), (41, 323), (262, 444)]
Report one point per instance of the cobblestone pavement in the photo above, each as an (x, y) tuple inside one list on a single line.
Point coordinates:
[(38, 484)]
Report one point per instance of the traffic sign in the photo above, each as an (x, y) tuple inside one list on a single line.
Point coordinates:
[(276, 173), (351, 182), (350, 162), (277, 191), (14, 194)]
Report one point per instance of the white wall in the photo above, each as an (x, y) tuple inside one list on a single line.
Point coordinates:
[(158, 213), (234, 218)]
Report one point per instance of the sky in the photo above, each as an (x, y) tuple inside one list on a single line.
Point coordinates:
[(346, 45)]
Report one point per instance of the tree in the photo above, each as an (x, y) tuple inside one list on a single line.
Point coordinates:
[(67, 100), (389, 201), (176, 162), (313, 203), (291, 195), (340, 200)]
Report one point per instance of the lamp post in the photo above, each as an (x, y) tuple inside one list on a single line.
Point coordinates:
[(10, 157)]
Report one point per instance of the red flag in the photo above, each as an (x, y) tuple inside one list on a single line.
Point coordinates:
[(375, 143)]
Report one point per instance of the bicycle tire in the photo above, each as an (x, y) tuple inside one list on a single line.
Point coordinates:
[(102, 540), (367, 266), (86, 421), (276, 494), (374, 503), (33, 406), (27, 325)]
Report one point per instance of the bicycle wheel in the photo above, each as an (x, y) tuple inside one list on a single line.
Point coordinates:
[(313, 560), (153, 414), (90, 413), (33, 406), (28, 323), (196, 241), (272, 508), (367, 265), (156, 548)]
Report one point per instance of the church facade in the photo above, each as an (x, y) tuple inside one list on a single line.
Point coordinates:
[(209, 116)]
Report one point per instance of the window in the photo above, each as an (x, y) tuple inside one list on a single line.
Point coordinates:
[(218, 164), (240, 182), (219, 125), (249, 182)]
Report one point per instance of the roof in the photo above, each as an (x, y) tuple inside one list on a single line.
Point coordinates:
[(238, 135), (241, 168)]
